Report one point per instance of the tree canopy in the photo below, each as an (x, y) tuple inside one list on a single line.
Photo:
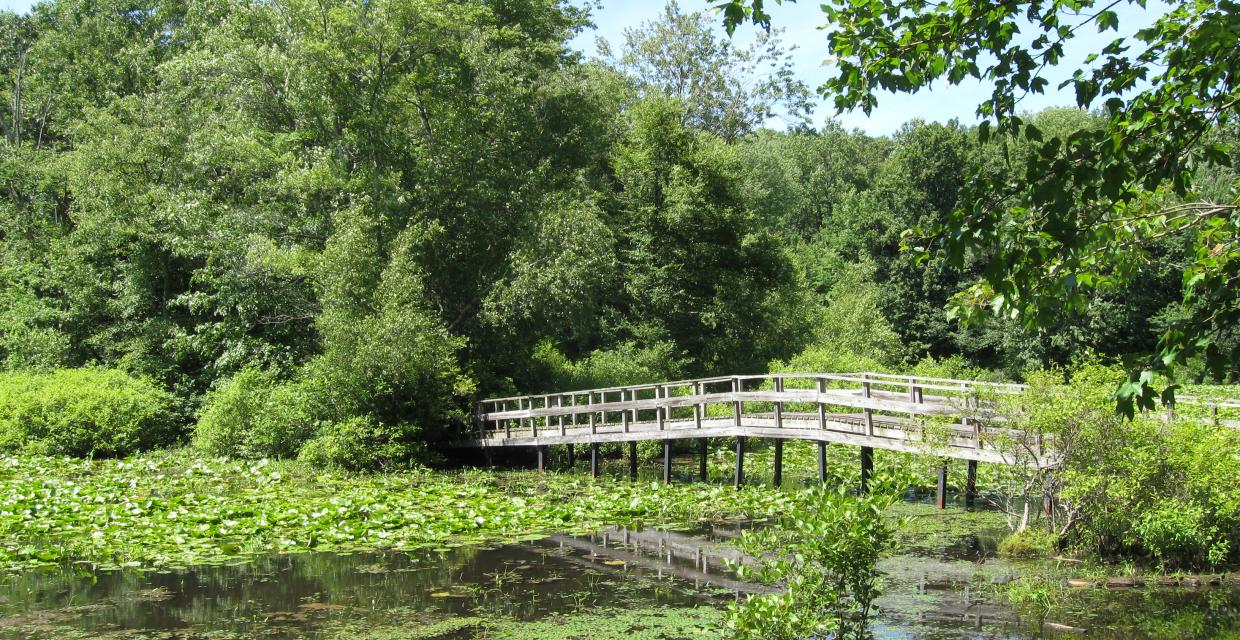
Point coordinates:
[(1083, 210), (325, 228)]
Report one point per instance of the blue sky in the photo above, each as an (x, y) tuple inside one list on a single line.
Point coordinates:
[(939, 103), (801, 21)]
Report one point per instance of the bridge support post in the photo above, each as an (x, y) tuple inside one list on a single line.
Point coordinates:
[(970, 486), (572, 456), (633, 461), (667, 462), (703, 451), (867, 468), (822, 463), (594, 459), (542, 458), (779, 462), (941, 492), (739, 478)]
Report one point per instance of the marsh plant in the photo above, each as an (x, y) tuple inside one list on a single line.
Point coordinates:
[(823, 553), (1160, 487)]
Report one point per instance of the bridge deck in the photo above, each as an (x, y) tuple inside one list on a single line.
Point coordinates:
[(950, 418)]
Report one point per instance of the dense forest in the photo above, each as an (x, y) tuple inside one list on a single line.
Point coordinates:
[(319, 228)]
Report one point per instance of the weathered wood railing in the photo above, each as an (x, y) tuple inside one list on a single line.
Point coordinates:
[(908, 413), (944, 417), (880, 410)]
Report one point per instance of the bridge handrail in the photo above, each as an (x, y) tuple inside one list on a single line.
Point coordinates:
[(494, 409)]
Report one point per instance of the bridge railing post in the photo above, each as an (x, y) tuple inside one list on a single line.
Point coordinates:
[(914, 396), (700, 407), (778, 381), (966, 393), (660, 413), (590, 415), (737, 405), (533, 419), (624, 415), (559, 404), (822, 404), (866, 393)]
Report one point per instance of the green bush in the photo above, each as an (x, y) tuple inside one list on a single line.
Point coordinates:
[(362, 443), (1029, 543), (256, 415), (83, 412), (828, 358), (1167, 490), (624, 364), (824, 552)]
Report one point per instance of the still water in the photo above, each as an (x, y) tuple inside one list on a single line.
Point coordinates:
[(620, 583)]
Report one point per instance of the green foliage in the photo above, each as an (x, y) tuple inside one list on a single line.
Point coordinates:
[(1030, 543), (824, 551), (627, 363), (360, 444), (182, 510), (1034, 597), (255, 415), (1077, 211), (1168, 490), (1165, 489), (84, 412), (726, 90)]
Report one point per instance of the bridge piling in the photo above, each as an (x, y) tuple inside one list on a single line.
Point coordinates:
[(703, 451), (633, 461), (594, 459), (822, 463), (941, 489), (542, 459), (572, 458), (867, 468), (739, 478), (667, 462), (970, 486), (779, 463)]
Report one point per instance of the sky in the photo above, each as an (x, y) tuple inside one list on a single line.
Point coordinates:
[(800, 22)]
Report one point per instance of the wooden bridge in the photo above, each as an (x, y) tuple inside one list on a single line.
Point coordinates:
[(943, 417)]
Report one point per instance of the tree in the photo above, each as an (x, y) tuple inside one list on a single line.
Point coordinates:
[(726, 90), (1082, 213)]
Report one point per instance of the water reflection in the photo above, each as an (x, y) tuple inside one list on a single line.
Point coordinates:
[(940, 591)]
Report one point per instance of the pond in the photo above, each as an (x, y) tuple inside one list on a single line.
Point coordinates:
[(618, 583)]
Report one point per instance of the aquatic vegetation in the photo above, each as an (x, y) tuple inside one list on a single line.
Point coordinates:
[(170, 510), (1030, 543), (824, 553)]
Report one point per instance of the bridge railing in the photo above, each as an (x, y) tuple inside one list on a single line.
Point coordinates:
[(871, 405), (964, 408)]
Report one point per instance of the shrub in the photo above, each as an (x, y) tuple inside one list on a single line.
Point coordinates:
[(361, 443), (256, 415), (824, 551), (83, 412), (1029, 543), (623, 364), (828, 358), (1165, 489)]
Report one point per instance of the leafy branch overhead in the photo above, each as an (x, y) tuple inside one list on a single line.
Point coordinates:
[(1067, 214)]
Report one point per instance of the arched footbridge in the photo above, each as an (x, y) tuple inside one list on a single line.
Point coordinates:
[(944, 417)]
